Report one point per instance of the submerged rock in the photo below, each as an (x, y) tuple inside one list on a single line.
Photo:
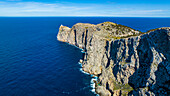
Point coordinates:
[(126, 61)]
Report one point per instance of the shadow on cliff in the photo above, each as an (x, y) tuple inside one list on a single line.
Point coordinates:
[(142, 73), (158, 40), (162, 84), (115, 56)]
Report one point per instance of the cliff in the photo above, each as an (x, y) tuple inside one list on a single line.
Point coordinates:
[(126, 61)]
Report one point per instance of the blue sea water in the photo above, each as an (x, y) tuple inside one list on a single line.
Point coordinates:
[(34, 63)]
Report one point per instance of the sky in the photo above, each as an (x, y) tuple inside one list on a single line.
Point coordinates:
[(105, 8)]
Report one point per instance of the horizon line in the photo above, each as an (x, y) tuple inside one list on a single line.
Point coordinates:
[(93, 16)]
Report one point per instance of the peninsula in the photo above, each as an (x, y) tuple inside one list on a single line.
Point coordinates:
[(126, 61)]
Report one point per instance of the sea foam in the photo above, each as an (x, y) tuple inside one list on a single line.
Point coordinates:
[(93, 80)]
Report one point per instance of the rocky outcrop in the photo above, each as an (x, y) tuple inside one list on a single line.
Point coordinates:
[(126, 61)]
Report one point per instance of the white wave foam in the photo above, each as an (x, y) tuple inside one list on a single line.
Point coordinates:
[(93, 90), (82, 51), (80, 64), (84, 71), (92, 82)]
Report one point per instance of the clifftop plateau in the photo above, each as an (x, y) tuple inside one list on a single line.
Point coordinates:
[(126, 61)]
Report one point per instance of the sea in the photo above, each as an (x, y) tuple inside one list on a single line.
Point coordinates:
[(34, 63)]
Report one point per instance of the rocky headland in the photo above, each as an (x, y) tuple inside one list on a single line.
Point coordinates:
[(126, 61)]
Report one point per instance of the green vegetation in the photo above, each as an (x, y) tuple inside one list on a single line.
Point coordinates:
[(111, 23), (119, 86), (114, 37), (113, 29), (127, 87), (154, 64), (124, 87), (122, 26), (123, 61), (86, 27), (152, 30), (130, 36), (98, 84)]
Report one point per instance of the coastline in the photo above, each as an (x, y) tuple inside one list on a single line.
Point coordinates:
[(92, 81), (121, 57), (94, 78)]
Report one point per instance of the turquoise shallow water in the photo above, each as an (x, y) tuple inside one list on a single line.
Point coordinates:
[(34, 63)]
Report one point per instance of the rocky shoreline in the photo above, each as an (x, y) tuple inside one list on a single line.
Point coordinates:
[(126, 61)]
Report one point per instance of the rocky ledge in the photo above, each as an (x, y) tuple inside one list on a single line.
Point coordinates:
[(126, 61)]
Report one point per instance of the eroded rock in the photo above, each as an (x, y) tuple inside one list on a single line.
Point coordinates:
[(126, 61)]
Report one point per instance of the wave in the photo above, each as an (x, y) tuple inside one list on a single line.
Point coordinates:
[(93, 80)]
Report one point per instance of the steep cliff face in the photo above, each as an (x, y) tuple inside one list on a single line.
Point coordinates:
[(126, 61)]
